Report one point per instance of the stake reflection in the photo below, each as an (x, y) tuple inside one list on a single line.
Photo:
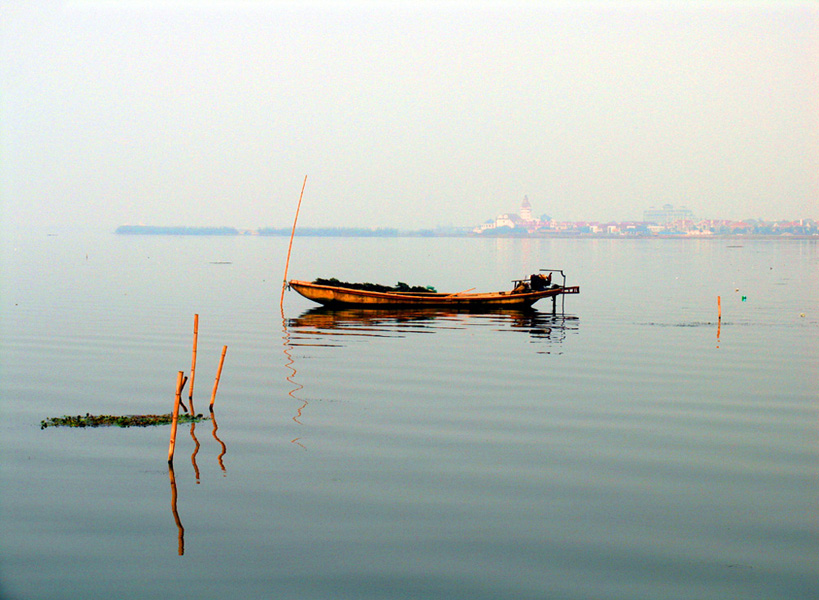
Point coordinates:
[(719, 326), (181, 530), (221, 443), (195, 451)]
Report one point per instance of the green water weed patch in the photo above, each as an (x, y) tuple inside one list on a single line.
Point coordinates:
[(90, 420)]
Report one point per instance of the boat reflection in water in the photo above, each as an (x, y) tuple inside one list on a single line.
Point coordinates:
[(324, 327), (329, 327)]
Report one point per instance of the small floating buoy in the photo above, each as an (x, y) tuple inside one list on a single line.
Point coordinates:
[(801, 314)]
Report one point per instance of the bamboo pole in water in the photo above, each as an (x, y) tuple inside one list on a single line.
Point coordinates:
[(218, 375), (290, 247), (181, 387), (193, 359), (719, 318), (172, 444)]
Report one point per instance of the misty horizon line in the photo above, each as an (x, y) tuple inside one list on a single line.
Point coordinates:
[(451, 227), (802, 228)]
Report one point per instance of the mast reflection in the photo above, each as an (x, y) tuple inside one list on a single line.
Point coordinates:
[(291, 378)]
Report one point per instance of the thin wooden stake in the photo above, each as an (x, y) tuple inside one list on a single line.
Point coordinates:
[(290, 247), (218, 375), (179, 383), (181, 389), (193, 360)]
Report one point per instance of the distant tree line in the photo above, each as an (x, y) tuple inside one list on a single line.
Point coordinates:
[(332, 231), (266, 231), (157, 230)]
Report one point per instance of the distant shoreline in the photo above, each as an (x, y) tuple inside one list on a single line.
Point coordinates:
[(267, 231), (396, 233)]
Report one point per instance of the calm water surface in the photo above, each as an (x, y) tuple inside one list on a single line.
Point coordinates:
[(629, 446)]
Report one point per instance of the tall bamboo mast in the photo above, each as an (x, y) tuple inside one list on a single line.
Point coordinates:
[(290, 246)]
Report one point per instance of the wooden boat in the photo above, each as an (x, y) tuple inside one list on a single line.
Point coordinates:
[(522, 296)]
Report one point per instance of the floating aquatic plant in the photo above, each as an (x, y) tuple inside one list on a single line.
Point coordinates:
[(90, 420)]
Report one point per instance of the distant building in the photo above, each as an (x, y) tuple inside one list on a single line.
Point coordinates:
[(667, 214), (526, 210), (513, 221)]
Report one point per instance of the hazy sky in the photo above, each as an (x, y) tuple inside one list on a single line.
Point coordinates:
[(407, 114)]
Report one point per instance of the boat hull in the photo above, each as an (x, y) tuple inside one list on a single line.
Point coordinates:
[(338, 296)]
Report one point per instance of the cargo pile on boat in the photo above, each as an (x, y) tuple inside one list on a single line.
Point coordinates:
[(376, 287)]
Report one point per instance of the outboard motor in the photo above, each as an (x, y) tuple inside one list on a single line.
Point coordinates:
[(540, 282)]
